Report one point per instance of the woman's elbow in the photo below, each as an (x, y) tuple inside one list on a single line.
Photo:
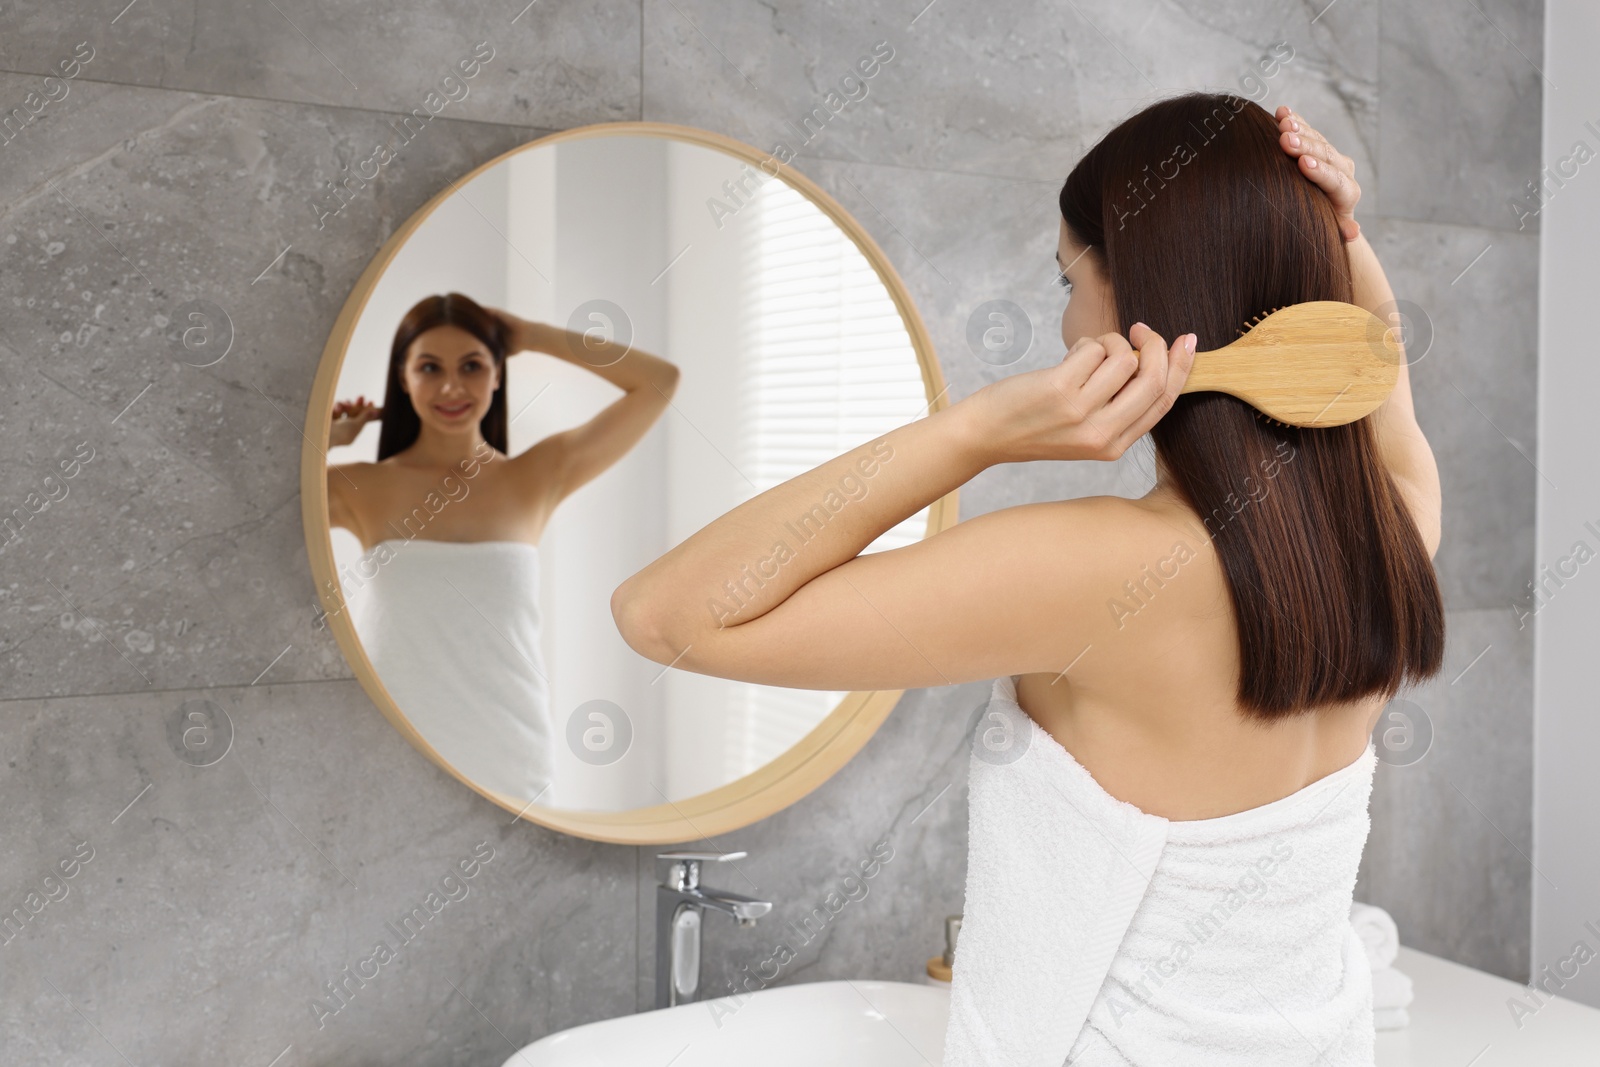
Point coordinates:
[(638, 623), (667, 379), (1431, 536)]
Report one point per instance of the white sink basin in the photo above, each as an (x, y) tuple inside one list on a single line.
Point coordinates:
[(1459, 1017), (841, 1024)]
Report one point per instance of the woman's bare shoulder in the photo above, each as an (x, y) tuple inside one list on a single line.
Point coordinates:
[(1101, 552), (1111, 577), (1136, 525), (365, 475), (1150, 557)]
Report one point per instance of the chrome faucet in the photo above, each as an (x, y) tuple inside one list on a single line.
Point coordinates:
[(680, 901)]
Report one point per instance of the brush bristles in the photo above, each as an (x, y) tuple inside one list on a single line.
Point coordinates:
[(1251, 324), (1248, 326), (1263, 415)]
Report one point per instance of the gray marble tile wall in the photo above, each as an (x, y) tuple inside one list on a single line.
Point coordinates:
[(185, 164)]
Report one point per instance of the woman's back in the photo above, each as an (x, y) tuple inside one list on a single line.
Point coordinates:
[(1155, 876), (1100, 935), (1150, 708)]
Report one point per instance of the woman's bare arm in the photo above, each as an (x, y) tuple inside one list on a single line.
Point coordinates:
[(347, 420), (776, 591), (573, 457), (342, 487), (1404, 447), (1406, 451)]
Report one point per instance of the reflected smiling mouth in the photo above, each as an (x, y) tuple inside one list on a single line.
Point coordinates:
[(453, 411)]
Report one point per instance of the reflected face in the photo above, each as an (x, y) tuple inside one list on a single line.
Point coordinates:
[(450, 377), (1089, 311)]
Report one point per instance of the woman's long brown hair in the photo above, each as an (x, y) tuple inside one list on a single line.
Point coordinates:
[(400, 425), (1200, 221)]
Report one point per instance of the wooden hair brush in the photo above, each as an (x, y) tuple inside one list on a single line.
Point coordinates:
[(1320, 363)]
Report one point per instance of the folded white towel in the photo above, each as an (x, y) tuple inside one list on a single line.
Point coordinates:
[(1390, 989), (1391, 1019), (1097, 933), (1378, 932)]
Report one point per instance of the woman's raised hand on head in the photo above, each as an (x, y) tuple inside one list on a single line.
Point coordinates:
[(521, 335), (1094, 404), (1331, 171)]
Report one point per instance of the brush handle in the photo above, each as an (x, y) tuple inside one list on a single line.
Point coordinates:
[(1211, 373), (1320, 363)]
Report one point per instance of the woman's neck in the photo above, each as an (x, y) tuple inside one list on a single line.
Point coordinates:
[(435, 449), (1165, 489)]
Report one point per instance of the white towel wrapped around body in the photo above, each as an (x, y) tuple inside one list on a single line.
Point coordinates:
[(1095, 933), (452, 629)]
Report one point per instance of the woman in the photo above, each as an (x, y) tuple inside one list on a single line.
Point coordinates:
[(1208, 653), (449, 581)]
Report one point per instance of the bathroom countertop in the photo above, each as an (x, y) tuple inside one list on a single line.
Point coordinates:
[(1463, 1016)]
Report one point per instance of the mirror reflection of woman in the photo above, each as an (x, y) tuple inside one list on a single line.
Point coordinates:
[(450, 523)]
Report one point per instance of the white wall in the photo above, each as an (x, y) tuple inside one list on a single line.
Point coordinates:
[(1566, 802)]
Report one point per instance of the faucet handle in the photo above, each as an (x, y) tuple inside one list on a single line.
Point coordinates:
[(686, 865)]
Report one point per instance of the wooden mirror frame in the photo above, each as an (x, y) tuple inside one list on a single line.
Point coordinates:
[(773, 786)]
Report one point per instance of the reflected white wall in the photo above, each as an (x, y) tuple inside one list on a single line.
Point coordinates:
[(611, 245)]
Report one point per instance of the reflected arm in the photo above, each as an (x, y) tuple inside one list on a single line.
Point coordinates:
[(341, 509), (648, 382)]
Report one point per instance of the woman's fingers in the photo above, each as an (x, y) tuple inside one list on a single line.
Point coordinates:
[(1329, 169), (1103, 396), (1081, 360), (1117, 364), (1322, 163), (1124, 397), (1145, 387), (356, 409), (1299, 138), (1176, 363)]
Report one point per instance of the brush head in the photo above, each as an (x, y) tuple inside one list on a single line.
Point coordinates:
[(1320, 363)]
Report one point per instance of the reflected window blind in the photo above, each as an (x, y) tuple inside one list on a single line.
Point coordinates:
[(828, 362), (828, 366)]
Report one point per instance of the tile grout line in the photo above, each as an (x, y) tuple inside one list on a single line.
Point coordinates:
[(541, 131), (220, 687)]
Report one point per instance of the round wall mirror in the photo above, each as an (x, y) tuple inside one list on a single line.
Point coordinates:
[(565, 363)]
